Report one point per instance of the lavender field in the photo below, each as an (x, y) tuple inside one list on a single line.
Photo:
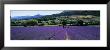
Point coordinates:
[(55, 33), (55, 25)]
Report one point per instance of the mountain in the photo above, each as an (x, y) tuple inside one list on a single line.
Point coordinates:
[(81, 12), (64, 13), (73, 13), (26, 17)]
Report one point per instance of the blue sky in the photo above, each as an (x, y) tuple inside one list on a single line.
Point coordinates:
[(31, 13)]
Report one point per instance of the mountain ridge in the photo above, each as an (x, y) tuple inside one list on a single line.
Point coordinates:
[(64, 13)]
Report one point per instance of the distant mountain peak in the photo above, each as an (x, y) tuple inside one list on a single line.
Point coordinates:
[(38, 15), (27, 17)]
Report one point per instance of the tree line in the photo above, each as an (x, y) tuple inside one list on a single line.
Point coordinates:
[(59, 21)]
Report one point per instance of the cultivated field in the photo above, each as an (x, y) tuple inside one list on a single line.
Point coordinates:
[(55, 33)]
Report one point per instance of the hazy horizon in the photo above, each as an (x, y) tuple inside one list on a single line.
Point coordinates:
[(15, 13)]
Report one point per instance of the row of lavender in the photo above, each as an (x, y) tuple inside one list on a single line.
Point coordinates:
[(55, 33)]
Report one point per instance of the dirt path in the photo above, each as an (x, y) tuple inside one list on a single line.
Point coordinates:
[(66, 34), (67, 37)]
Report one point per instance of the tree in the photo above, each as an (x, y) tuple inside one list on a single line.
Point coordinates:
[(57, 21), (93, 22), (51, 22), (80, 22), (23, 23), (64, 22), (13, 24), (32, 22)]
